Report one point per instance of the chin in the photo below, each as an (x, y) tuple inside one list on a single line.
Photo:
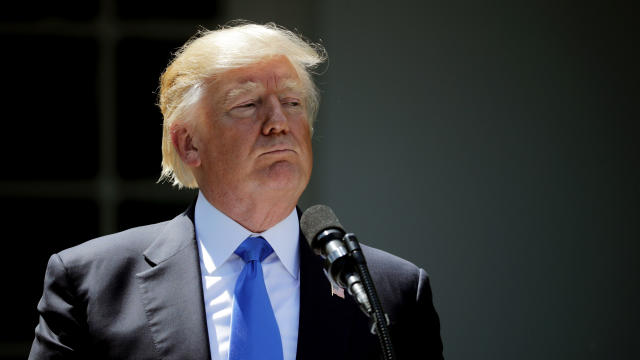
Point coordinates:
[(285, 176)]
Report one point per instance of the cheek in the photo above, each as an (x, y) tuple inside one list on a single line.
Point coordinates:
[(305, 133), (305, 143), (232, 137), (219, 151)]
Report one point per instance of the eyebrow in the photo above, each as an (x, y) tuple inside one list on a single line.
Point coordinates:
[(249, 86), (240, 90), (292, 84)]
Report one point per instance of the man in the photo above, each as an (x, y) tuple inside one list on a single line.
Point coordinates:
[(238, 105)]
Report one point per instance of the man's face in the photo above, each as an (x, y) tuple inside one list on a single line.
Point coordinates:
[(253, 137)]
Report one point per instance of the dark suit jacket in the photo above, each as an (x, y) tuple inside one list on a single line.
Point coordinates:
[(138, 295)]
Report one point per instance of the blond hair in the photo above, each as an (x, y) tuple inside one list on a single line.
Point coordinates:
[(210, 53)]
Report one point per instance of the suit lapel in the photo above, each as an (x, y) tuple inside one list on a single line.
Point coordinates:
[(325, 319), (172, 293)]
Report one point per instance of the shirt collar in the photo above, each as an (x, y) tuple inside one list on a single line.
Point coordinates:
[(221, 236)]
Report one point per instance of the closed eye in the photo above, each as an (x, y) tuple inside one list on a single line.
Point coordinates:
[(243, 109), (246, 105), (288, 101)]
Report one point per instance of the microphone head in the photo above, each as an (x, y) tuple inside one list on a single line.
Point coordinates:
[(316, 219)]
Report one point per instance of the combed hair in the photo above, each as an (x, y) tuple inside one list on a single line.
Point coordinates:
[(210, 53)]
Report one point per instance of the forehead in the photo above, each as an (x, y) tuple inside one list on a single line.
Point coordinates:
[(273, 73)]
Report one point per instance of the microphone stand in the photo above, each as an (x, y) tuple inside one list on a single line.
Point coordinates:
[(379, 320)]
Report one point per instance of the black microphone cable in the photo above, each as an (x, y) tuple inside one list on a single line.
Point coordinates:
[(379, 320)]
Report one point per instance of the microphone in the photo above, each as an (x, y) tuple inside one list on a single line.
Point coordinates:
[(325, 236), (345, 266)]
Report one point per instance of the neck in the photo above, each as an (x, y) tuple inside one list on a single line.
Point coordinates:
[(256, 214)]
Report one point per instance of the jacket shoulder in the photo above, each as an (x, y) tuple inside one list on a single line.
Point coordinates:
[(405, 293), (387, 263), (393, 274), (397, 280), (97, 269), (131, 242)]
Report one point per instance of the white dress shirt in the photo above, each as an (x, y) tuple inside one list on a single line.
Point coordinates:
[(218, 236)]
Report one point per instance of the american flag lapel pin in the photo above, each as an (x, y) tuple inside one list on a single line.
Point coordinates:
[(338, 291)]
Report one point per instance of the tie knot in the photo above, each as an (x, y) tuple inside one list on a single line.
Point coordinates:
[(254, 249)]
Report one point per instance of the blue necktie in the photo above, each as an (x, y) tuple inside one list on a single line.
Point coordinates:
[(254, 330)]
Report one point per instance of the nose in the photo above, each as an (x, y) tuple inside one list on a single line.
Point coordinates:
[(275, 119)]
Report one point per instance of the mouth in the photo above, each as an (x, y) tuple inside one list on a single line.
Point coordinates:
[(278, 151)]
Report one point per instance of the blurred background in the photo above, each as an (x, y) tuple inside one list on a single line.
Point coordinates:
[(493, 143)]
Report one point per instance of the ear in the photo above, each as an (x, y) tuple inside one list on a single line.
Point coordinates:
[(184, 144)]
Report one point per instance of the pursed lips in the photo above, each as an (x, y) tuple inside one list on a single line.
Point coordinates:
[(278, 150)]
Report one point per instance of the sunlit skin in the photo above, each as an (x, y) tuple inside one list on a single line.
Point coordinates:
[(250, 144)]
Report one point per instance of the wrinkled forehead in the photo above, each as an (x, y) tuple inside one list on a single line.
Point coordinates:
[(275, 72), (249, 86)]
